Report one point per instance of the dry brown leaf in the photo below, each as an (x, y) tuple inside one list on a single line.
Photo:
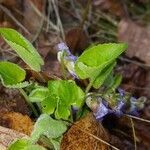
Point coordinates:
[(76, 139), (7, 136), (137, 38), (76, 40)]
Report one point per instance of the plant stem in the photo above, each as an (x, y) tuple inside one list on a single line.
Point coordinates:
[(63, 67), (88, 87), (28, 102)]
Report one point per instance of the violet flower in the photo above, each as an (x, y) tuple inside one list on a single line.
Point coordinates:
[(136, 105), (68, 59), (118, 110), (102, 111), (124, 105), (121, 92)]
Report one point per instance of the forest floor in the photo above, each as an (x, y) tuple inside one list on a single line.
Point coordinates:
[(81, 23)]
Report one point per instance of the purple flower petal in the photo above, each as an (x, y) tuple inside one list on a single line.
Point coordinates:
[(102, 110), (118, 109), (121, 92), (62, 46), (68, 59)]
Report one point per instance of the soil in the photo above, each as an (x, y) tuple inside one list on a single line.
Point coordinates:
[(79, 32)]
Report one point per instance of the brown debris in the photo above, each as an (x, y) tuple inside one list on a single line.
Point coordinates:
[(76, 40), (76, 139), (17, 121), (7, 136), (137, 38)]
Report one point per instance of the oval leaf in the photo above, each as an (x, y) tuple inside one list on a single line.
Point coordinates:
[(23, 48), (11, 74)]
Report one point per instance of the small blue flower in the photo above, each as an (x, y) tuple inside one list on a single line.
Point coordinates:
[(118, 110), (68, 59), (62, 46), (102, 111), (121, 92)]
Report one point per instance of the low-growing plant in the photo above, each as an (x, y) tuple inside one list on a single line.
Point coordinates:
[(62, 101)]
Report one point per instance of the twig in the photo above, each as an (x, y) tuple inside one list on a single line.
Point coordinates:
[(39, 29), (59, 23), (137, 118), (7, 11), (76, 12), (134, 62), (134, 135), (45, 19), (48, 15), (137, 88)]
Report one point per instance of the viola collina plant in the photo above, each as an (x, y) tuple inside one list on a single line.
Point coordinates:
[(56, 99), (118, 103)]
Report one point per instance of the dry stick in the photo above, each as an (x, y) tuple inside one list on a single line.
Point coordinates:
[(7, 11), (135, 62), (84, 17), (45, 19), (76, 12), (97, 138), (137, 88), (38, 31), (59, 23), (40, 27), (137, 118), (134, 135), (48, 15)]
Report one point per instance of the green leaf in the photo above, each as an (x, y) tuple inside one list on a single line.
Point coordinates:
[(42, 95), (103, 75), (24, 144), (56, 143), (67, 94), (58, 97), (48, 127), (23, 48), (34, 147), (19, 85), (94, 60), (39, 94), (49, 104), (116, 80), (12, 75), (19, 144)]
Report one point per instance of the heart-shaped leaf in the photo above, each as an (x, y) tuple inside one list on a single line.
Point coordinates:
[(97, 60), (48, 127), (68, 94)]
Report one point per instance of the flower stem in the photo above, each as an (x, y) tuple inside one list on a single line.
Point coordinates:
[(88, 87), (28, 102)]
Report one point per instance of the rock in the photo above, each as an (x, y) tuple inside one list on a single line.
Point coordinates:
[(77, 139)]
